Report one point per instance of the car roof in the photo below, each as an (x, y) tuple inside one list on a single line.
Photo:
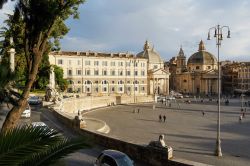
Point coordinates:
[(38, 124), (114, 153)]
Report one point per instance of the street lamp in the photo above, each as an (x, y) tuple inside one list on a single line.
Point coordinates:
[(218, 35), (242, 85)]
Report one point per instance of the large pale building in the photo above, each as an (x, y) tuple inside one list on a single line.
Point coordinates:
[(95, 73), (198, 75)]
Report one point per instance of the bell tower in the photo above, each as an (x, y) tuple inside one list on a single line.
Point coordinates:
[(180, 62)]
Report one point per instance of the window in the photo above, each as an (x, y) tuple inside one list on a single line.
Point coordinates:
[(136, 88), (112, 63), (113, 89), (70, 72), (87, 63), (104, 63), (143, 73), (96, 63), (143, 88), (60, 61), (136, 64), (96, 82), (104, 89), (78, 62), (113, 72), (87, 72), (79, 72), (120, 73), (197, 67), (128, 72), (96, 89), (113, 82), (184, 80), (79, 82), (155, 66), (120, 89), (120, 82), (208, 67), (120, 63), (127, 63), (105, 82), (104, 72), (136, 73), (96, 72), (142, 64), (129, 89)]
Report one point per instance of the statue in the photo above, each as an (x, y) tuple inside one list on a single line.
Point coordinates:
[(51, 93), (160, 143)]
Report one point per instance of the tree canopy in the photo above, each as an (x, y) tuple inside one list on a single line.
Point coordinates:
[(37, 26)]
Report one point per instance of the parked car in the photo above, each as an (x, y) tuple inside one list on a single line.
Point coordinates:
[(113, 158), (34, 100), (26, 113), (170, 97)]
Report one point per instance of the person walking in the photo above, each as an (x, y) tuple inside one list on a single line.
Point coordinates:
[(203, 112), (160, 117), (164, 118), (240, 118)]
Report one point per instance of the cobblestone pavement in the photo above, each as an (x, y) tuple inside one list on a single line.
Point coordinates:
[(192, 135)]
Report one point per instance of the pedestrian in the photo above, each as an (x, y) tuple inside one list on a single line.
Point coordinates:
[(164, 118), (138, 111), (203, 112), (160, 117), (240, 118), (179, 106), (243, 114)]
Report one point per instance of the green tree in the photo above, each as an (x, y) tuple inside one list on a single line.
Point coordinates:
[(35, 146), (60, 81), (35, 24)]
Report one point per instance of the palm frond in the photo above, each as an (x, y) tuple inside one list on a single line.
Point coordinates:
[(35, 146)]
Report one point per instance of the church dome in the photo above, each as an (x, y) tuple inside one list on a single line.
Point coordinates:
[(202, 57), (150, 54)]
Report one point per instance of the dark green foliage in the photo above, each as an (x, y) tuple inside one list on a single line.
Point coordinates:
[(35, 146), (60, 81)]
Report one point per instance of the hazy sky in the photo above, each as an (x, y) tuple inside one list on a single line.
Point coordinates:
[(124, 25)]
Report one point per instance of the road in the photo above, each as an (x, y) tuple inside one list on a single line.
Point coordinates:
[(82, 157)]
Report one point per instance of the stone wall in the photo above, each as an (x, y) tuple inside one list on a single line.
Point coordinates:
[(153, 156), (72, 105)]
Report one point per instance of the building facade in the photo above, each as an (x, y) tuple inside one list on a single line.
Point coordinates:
[(95, 73), (196, 76)]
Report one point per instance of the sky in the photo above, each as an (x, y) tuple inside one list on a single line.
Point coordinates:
[(124, 26)]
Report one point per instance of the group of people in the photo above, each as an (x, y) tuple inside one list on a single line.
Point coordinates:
[(162, 118), (138, 110)]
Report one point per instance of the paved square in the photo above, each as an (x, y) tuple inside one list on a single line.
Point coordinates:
[(191, 134)]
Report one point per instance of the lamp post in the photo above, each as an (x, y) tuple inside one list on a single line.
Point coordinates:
[(218, 35), (242, 85)]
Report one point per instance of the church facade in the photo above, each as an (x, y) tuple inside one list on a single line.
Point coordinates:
[(199, 75), (95, 73)]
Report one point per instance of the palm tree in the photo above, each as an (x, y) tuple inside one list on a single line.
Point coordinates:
[(35, 146)]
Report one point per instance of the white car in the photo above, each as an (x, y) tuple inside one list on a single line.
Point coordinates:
[(26, 113), (38, 124)]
